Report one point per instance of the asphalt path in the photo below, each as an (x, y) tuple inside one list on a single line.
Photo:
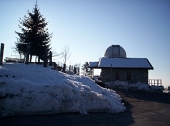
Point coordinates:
[(143, 109)]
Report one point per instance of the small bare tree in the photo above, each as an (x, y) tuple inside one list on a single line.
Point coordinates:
[(66, 55), (56, 55)]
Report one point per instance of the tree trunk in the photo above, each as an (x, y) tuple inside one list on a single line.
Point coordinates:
[(30, 58), (64, 68), (27, 54), (38, 60), (1, 53), (75, 71), (50, 59), (45, 58)]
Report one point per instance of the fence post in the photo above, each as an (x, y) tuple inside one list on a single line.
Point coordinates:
[(1, 53)]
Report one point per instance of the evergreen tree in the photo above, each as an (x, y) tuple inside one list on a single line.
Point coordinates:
[(35, 33)]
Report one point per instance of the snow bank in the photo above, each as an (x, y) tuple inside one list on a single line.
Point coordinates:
[(138, 86), (33, 89)]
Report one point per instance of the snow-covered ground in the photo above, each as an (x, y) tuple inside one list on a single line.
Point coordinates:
[(137, 86), (34, 89)]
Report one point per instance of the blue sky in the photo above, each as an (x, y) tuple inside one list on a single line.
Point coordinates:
[(88, 27)]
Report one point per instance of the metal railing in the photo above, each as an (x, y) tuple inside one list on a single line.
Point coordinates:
[(155, 82)]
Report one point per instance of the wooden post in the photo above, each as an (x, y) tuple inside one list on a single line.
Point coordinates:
[(45, 58), (27, 55), (50, 64), (1, 53)]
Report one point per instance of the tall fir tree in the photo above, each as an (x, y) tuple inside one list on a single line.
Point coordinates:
[(33, 32)]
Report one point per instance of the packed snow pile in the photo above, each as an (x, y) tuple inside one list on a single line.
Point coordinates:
[(137, 86), (34, 89)]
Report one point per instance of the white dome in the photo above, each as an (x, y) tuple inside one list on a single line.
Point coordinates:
[(115, 51)]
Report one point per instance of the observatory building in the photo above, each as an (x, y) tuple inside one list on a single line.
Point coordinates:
[(116, 66)]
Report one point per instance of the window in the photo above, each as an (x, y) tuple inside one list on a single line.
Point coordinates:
[(128, 75), (117, 75)]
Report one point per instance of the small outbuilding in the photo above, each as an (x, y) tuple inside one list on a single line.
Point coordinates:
[(116, 66)]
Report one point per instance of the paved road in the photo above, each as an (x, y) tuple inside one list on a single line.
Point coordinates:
[(143, 109)]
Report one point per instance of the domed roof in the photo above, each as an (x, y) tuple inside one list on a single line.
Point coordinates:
[(115, 51)]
